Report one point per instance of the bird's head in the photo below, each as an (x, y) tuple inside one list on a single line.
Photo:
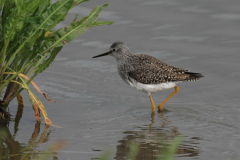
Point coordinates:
[(117, 50)]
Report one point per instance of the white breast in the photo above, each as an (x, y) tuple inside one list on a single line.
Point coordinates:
[(148, 88), (151, 88)]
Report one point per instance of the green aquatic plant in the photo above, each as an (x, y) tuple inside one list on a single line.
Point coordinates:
[(29, 43)]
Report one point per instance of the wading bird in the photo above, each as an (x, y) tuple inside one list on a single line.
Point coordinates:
[(147, 73)]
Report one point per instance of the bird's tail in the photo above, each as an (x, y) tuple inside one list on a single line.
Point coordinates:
[(193, 76)]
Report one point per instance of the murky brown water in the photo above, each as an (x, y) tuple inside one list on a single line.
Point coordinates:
[(97, 110)]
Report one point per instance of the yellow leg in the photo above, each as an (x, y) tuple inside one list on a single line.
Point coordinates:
[(161, 105), (153, 105)]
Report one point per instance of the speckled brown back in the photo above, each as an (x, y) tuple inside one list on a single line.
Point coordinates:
[(150, 70)]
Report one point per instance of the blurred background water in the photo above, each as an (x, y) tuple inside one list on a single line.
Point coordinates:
[(98, 111)]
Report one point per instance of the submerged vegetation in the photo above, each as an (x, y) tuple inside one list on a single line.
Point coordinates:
[(29, 44)]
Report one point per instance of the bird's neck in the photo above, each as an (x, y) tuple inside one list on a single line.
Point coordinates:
[(124, 58)]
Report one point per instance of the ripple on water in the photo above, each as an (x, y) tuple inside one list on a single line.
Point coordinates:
[(97, 44), (195, 9), (160, 2), (166, 26), (180, 38), (226, 16), (95, 65), (153, 142)]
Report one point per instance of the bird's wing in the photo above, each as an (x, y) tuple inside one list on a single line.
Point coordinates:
[(149, 70)]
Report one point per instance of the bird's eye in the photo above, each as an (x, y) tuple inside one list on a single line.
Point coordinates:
[(114, 50)]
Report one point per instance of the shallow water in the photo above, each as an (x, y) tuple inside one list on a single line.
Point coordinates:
[(98, 111)]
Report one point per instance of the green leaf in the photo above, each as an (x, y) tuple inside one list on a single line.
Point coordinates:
[(28, 42), (99, 23), (75, 17), (43, 7), (18, 2), (59, 8), (66, 35), (6, 9), (46, 20), (76, 28), (1, 4), (15, 23), (76, 2), (47, 61), (63, 16)]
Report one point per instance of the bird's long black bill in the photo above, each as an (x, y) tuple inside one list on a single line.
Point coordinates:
[(104, 54)]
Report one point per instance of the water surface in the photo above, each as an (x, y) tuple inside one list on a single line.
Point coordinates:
[(97, 110)]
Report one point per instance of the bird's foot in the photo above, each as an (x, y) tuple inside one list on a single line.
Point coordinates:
[(160, 107), (153, 109), (162, 111)]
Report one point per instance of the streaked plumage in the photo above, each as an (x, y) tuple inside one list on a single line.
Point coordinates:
[(147, 73)]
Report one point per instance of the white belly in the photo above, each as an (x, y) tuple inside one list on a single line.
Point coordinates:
[(151, 88)]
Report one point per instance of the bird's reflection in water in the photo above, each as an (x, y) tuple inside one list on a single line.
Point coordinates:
[(164, 122), (13, 150), (153, 138)]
